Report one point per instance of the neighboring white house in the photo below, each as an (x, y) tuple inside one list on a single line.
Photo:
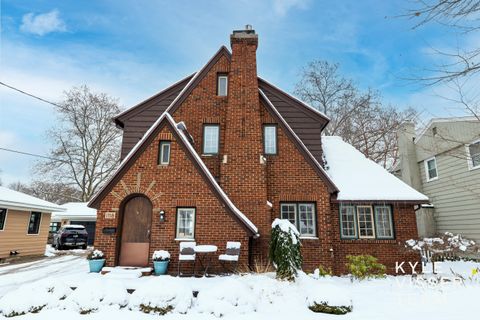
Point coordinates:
[(443, 162), (24, 222), (76, 213)]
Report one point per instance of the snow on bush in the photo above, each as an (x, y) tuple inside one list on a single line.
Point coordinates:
[(231, 296), (162, 295), (161, 255), (285, 249), (95, 254), (90, 296), (33, 298)]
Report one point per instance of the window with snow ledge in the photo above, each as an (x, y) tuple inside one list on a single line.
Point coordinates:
[(473, 152), (185, 223), (302, 216), (431, 169), (366, 222)]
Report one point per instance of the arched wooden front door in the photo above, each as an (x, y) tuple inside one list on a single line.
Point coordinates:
[(135, 237)]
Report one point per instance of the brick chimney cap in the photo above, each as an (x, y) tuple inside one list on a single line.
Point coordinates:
[(248, 32)]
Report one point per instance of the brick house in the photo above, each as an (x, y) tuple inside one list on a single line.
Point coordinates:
[(219, 155)]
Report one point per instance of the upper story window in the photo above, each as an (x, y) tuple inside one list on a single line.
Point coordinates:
[(302, 216), (474, 155), (3, 217), (164, 153), (34, 222), (431, 169), (270, 139), (211, 135), (222, 85)]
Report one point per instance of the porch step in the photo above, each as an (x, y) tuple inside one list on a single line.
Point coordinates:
[(126, 272)]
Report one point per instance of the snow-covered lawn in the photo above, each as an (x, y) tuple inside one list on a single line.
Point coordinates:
[(47, 282)]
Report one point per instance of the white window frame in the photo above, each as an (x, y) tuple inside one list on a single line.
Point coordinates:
[(427, 175), (392, 229), (220, 77), (373, 223), (5, 220), (296, 206), (354, 211), (469, 156), (177, 236), (39, 223), (161, 146), (212, 125), (275, 142)]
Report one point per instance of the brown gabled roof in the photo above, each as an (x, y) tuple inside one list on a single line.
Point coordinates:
[(167, 120), (156, 99), (332, 188)]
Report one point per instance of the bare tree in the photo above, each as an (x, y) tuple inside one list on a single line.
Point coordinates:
[(87, 143), (50, 191), (360, 118)]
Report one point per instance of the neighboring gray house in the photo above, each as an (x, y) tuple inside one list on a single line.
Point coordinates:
[(443, 162)]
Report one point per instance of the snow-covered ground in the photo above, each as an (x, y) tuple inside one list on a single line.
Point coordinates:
[(234, 297)]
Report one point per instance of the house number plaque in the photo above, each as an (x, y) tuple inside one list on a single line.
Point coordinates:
[(109, 215)]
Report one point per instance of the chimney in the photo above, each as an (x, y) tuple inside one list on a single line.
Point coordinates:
[(407, 154), (242, 173)]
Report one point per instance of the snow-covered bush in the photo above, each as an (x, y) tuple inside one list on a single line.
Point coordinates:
[(90, 296), (231, 296), (162, 295), (433, 249), (364, 267), (285, 249), (32, 298), (96, 255), (161, 255)]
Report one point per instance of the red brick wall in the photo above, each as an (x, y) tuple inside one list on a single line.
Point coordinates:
[(176, 185), (388, 252)]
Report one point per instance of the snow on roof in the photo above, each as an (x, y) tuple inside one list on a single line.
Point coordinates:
[(75, 209), (359, 178), (14, 199)]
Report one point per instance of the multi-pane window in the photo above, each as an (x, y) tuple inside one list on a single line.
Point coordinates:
[(301, 215), (474, 150), (34, 222), (365, 222), (55, 226), (431, 169), (222, 85), (3, 217), (270, 139), (185, 223), (383, 222), (348, 226), (211, 138), (164, 153)]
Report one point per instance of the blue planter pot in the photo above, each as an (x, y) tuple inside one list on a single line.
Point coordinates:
[(160, 267), (96, 265)]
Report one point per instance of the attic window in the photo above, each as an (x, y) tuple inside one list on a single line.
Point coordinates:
[(222, 85), (164, 153), (434, 131), (474, 152), (431, 169)]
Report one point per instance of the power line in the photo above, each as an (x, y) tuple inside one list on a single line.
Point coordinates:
[(31, 154), (31, 95)]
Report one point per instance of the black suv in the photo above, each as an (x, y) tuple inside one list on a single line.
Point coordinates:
[(70, 236)]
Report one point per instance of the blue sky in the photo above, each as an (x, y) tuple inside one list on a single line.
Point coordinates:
[(132, 49)]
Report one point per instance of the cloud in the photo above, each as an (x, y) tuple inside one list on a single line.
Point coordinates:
[(281, 7), (43, 23)]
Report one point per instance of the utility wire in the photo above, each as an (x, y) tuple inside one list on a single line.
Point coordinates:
[(31, 154), (31, 95)]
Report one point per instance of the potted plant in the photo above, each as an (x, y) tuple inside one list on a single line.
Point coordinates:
[(160, 261), (96, 260)]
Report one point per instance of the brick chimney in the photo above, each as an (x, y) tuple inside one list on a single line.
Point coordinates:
[(243, 172)]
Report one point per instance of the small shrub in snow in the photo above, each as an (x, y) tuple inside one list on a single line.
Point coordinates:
[(323, 307), (230, 296), (162, 295), (285, 249), (96, 255), (161, 255), (364, 267), (322, 271)]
